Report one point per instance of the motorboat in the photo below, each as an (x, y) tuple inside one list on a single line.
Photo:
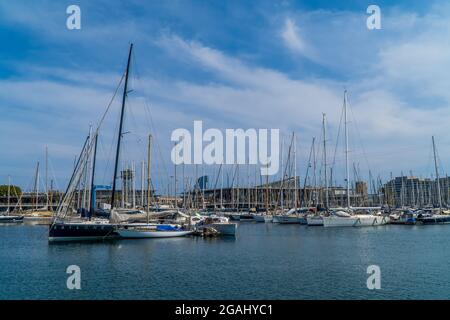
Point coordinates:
[(219, 223)]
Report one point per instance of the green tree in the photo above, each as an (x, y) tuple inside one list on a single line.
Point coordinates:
[(15, 191)]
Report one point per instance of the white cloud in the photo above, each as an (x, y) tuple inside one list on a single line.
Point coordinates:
[(291, 37), (387, 125), (385, 72)]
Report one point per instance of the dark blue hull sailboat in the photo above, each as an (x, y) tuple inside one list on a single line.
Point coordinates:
[(87, 229), (67, 231), (11, 219)]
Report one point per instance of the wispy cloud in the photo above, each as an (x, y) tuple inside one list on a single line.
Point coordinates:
[(396, 78), (291, 37)]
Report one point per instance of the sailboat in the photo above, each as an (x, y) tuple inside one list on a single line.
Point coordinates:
[(346, 217), (150, 230), (63, 229), (262, 217), (43, 213), (147, 230), (292, 216), (439, 218), (8, 218), (265, 216), (87, 227), (76, 229), (316, 219)]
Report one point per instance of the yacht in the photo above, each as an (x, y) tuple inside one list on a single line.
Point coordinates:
[(345, 219)]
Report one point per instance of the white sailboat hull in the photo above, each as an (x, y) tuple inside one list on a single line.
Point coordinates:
[(355, 221), (138, 234), (314, 221), (262, 218), (289, 219)]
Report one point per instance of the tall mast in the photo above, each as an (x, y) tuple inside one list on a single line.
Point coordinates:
[(9, 193), (346, 149), (256, 191), (204, 181), (295, 171), (133, 185), (196, 187), (46, 173), (324, 119), (302, 199), (267, 189), (142, 182), (175, 183), (184, 186), (119, 138), (36, 185), (221, 187), (237, 190), (85, 202), (413, 194), (402, 191), (315, 199), (92, 205), (437, 175), (282, 173), (149, 157), (248, 187)]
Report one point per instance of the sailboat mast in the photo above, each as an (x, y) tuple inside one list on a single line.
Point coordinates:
[(295, 171), (119, 138), (142, 182), (302, 199), (46, 173), (36, 185), (282, 173), (346, 149), (175, 184), (92, 205), (437, 174), (133, 177), (413, 194), (315, 199), (324, 119), (237, 190), (9, 193), (149, 157), (221, 187), (267, 189)]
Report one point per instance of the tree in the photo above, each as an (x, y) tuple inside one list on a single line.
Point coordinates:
[(15, 191)]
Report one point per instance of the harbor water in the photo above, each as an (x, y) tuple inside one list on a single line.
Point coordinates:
[(264, 261)]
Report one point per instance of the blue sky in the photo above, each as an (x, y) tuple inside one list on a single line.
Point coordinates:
[(233, 64)]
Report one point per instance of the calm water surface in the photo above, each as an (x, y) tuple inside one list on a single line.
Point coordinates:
[(265, 261)]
